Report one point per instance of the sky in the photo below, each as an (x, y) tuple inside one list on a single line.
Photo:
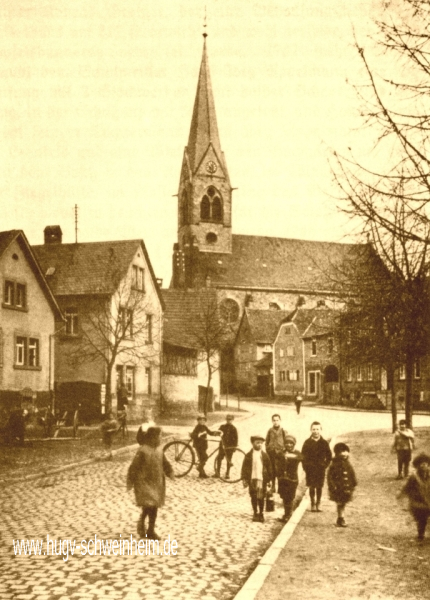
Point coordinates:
[(96, 101)]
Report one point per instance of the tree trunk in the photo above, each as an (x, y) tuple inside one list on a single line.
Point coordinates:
[(207, 387), (409, 401), (390, 377), (109, 387)]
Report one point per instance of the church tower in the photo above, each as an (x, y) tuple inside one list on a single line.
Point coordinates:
[(204, 196)]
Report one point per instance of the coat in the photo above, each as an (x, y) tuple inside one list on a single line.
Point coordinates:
[(146, 475), (230, 436), (341, 480), (316, 458), (247, 468), (418, 491)]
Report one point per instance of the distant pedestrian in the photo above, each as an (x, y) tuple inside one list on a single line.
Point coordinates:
[(275, 445), (341, 481), (257, 475), (229, 440), (108, 428), (403, 445), (146, 475), (199, 436), (16, 426), (298, 402), (288, 476), (417, 488), (316, 458)]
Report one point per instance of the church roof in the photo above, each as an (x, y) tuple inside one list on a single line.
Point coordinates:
[(204, 128), (264, 324), (258, 262)]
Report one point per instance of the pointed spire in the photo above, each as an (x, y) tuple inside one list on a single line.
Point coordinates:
[(204, 129)]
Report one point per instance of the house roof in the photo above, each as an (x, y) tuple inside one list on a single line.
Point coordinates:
[(183, 315), (89, 267), (266, 361), (312, 322), (264, 324), (258, 262), (6, 239)]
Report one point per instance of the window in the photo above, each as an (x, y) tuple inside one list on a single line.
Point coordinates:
[(71, 315), (138, 281), (293, 375), (148, 329), (281, 375), (148, 380), (129, 380), (229, 310), (417, 369), (184, 208), (14, 295), (288, 331), (402, 372), (281, 353), (348, 373), (290, 350), (211, 206), (314, 348), (267, 349), (359, 373), (369, 372), (125, 322), (27, 352), (330, 345)]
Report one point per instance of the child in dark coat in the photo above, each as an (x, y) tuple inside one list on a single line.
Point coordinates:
[(403, 444), (341, 481), (108, 429), (417, 488), (200, 443), (257, 476), (146, 475), (316, 458), (229, 442), (288, 479)]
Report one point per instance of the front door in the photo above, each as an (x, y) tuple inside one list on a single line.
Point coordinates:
[(314, 383)]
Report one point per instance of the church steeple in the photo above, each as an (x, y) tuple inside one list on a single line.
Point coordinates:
[(204, 196)]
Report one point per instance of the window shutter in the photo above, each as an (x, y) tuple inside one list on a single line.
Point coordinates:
[(298, 375), (288, 375)]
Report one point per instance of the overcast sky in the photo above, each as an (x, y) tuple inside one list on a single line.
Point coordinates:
[(96, 100)]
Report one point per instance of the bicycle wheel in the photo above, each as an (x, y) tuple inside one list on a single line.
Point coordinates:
[(232, 474), (181, 457)]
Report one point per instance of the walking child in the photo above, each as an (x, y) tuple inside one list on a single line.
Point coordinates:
[(341, 481), (316, 458), (200, 443), (257, 476), (229, 442), (403, 445), (108, 429), (417, 488), (146, 475), (288, 479)]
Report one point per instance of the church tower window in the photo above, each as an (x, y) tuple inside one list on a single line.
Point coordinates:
[(184, 208), (211, 206)]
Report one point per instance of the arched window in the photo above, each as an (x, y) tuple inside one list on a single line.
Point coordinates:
[(229, 310), (211, 205)]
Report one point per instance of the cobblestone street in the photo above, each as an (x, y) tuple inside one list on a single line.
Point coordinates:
[(218, 545)]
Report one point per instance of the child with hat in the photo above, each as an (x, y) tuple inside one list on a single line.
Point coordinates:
[(288, 479), (341, 480), (417, 488), (229, 442), (403, 445), (257, 476), (199, 436)]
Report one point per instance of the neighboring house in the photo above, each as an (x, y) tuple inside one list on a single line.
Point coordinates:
[(27, 326), (112, 336), (305, 355), (245, 270), (254, 342), (185, 365)]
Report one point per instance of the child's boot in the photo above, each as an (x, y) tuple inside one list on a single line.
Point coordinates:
[(255, 518), (341, 522)]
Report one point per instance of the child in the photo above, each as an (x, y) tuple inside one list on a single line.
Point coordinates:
[(200, 443), (341, 481), (287, 476), (403, 445), (146, 475), (417, 488), (316, 458), (257, 475), (275, 444), (229, 441), (108, 429)]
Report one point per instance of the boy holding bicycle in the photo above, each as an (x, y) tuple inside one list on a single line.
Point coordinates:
[(200, 443), (228, 444)]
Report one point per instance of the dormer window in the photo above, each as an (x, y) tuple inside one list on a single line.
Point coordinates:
[(211, 206)]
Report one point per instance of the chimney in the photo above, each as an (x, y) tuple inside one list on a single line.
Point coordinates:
[(53, 234)]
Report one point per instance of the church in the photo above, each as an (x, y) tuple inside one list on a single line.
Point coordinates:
[(247, 271)]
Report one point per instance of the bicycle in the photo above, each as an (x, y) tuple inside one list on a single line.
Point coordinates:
[(181, 455)]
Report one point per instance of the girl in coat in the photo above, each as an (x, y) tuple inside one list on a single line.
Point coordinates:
[(146, 475), (341, 480), (417, 488)]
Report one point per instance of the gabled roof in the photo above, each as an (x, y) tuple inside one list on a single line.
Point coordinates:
[(183, 315), (264, 324), (266, 361), (312, 322), (91, 267), (258, 262), (6, 239), (204, 128)]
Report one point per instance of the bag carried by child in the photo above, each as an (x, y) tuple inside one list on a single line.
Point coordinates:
[(270, 503)]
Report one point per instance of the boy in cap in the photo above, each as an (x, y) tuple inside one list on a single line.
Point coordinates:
[(316, 458), (226, 448), (199, 436), (341, 480), (257, 475), (275, 444), (403, 445), (288, 479), (417, 488)]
